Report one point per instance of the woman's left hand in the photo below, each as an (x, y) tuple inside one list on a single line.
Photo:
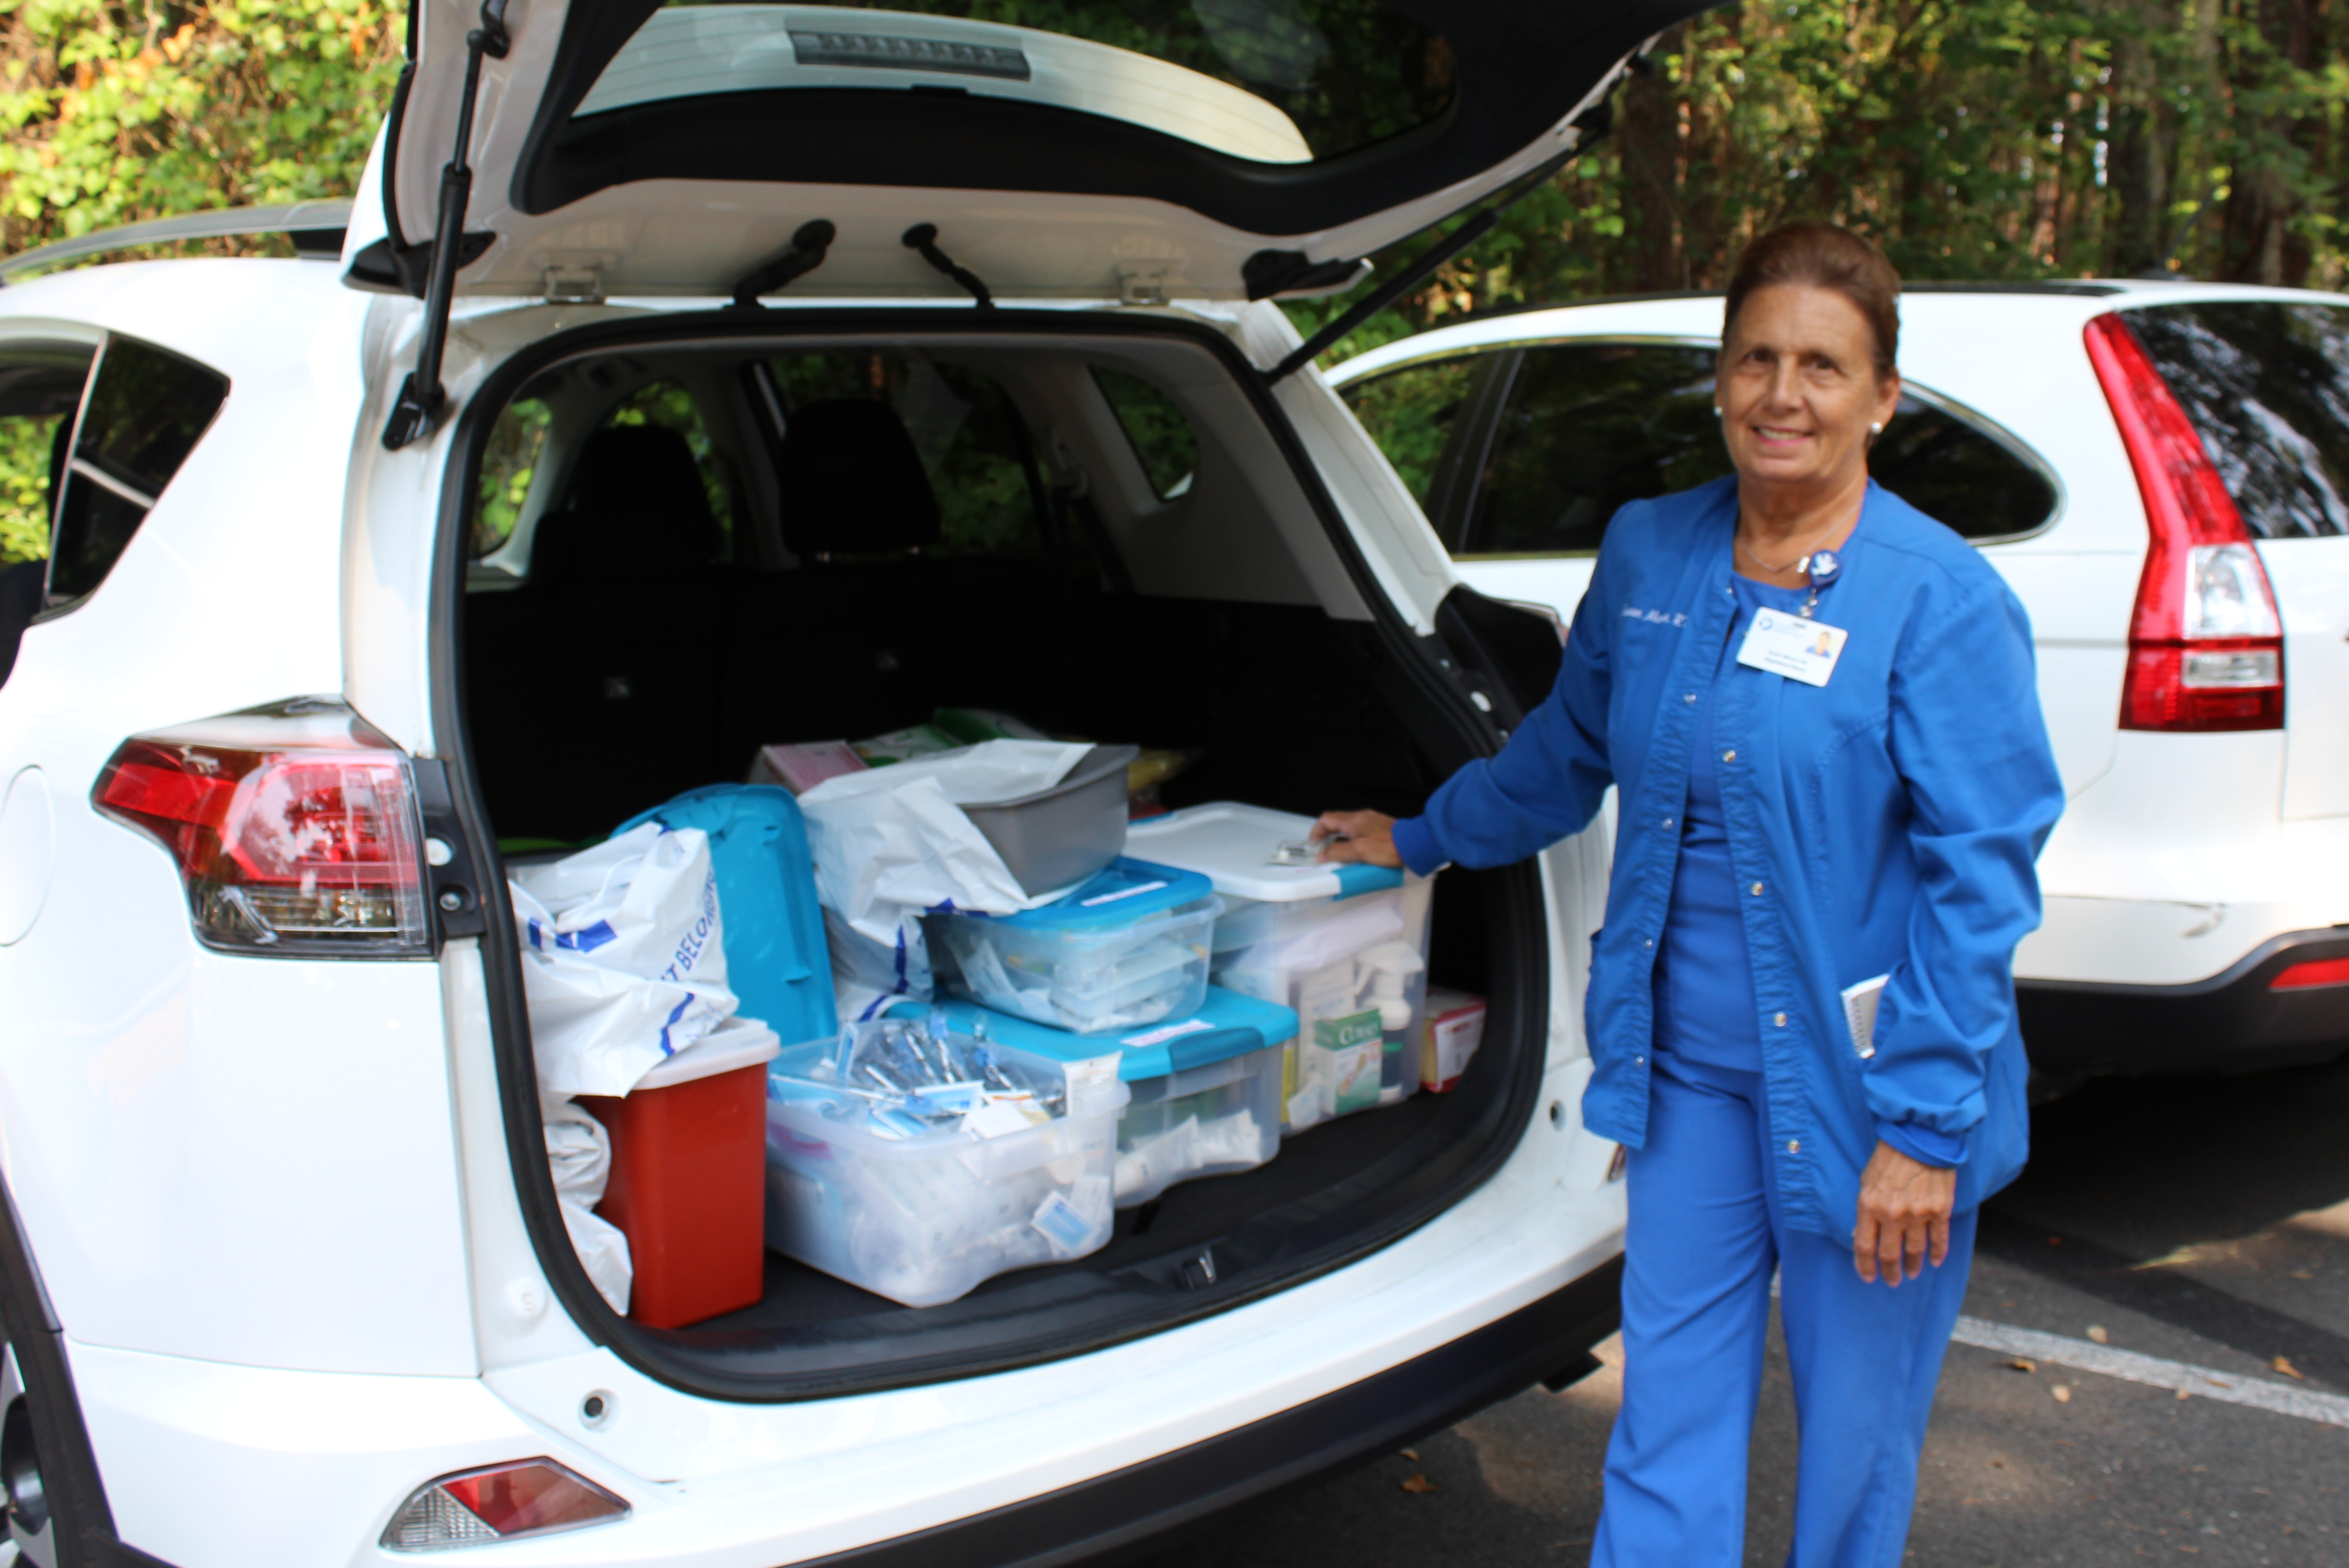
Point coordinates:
[(1904, 1215)]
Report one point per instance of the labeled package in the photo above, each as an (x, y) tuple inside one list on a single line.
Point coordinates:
[(1345, 946), (916, 1160), (1128, 947), (801, 767), (1206, 1089), (1454, 1028), (686, 1183)]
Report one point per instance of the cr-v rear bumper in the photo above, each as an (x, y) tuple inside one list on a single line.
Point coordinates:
[(2232, 1021)]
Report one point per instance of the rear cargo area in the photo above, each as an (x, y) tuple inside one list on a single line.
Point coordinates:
[(679, 555)]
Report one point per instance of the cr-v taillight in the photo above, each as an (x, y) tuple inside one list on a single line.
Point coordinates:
[(2206, 647), (294, 827)]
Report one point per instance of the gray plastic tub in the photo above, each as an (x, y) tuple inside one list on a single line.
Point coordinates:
[(1063, 835)]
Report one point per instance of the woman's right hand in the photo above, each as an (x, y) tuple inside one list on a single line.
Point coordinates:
[(1365, 837)]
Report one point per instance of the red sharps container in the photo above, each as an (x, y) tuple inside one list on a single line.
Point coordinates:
[(688, 1176)]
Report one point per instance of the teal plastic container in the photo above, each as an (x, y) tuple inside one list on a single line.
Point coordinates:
[(776, 958), (1206, 1089)]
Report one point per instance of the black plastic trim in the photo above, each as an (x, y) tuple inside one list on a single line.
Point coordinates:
[(1467, 1157), (2230, 1022), (1109, 1515), (81, 1523)]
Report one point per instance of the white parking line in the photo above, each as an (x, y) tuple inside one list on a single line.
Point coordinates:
[(2152, 1370)]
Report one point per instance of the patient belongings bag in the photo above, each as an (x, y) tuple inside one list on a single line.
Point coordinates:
[(579, 1157), (894, 843), (624, 958)]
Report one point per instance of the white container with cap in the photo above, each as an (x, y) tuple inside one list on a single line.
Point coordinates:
[(1345, 945)]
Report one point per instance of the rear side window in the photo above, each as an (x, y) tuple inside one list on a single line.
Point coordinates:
[(146, 410), (2268, 385), (1162, 438), (1532, 452), (40, 388)]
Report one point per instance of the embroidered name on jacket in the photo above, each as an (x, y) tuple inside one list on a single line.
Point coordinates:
[(1654, 618)]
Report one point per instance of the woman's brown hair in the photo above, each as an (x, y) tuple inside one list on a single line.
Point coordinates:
[(1824, 256)]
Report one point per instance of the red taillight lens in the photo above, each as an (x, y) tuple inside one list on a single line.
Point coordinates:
[(2314, 973), (294, 827), (2206, 647), (535, 1497)]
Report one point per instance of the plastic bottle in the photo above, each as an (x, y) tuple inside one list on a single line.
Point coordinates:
[(1387, 970)]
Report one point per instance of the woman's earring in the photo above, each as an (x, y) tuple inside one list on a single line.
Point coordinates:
[(1874, 429), (1716, 410)]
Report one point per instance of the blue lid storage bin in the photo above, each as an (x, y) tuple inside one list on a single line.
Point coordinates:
[(1206, 1090), (777, 962), (1126, 948)]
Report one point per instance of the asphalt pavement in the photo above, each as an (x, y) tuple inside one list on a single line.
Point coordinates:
[(2177, 1246)]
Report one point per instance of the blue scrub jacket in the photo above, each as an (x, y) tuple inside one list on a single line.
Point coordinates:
[(1884, 823)]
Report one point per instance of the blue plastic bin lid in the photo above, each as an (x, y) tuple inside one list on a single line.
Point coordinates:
[(1122, 892), (1227, 1024), (777, 961)]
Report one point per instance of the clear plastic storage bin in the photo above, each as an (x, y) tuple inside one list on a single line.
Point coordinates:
[(922, 1214), (1345, 946), (1206, 1090), (1129, 947)]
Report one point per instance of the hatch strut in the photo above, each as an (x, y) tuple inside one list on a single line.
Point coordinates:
[(422, 394), (1444, 250), (922, 239), (809, 244)]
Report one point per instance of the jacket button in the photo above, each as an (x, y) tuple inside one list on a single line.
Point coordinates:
[(1687, 696), (1667, 821), (1779, 1019), (1729, 757), (1757, 889), (1649, 941), (1794, 1146)]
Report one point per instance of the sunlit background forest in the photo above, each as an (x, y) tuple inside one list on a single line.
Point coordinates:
[(1972, 138)]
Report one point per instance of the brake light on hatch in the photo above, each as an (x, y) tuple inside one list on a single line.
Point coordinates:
[(2206, 644), (294, 827), (2316, 972), (535, 1497)]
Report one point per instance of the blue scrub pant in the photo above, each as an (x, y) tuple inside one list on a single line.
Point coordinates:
[(1705, 1232)]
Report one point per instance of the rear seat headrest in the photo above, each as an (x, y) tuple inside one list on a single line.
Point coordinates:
[(853, 481), (635, 511)]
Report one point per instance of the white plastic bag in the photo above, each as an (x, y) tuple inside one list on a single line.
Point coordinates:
[(579, 1157), (624, 960), (892, 842)]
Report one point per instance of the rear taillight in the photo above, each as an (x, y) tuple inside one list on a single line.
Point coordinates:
[(294, 827), (535, 1497), (2314, 973), (2206, 647)]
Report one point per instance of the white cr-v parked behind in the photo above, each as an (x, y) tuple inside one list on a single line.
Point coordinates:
[(368, 572), (2161, 472)]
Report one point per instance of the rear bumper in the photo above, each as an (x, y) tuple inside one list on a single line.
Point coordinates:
[(2230, 1022)]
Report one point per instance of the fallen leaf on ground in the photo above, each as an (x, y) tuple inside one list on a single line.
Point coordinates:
[(2063, 1395), (2097, 1332), (1421, 1483), (2185, 1394), (2023, 1364), (1411, 1454), (2303, 1273), (2284, 1366)]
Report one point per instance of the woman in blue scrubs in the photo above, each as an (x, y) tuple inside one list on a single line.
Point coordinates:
[(1817, 708)]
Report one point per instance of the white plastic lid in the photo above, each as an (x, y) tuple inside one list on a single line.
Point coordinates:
[(739, 1042), (1232, 845)]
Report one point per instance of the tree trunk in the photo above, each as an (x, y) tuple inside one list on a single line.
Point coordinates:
[(2139, 165), (1649, 145)]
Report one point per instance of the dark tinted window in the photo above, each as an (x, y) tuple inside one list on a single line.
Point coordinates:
[(1163, 439), (1583, 428), (971, 439), (145, 411), (2268, 385), (1299, 79), (39, 390)]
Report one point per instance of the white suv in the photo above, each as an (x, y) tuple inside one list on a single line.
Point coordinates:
[(341, 611), (2161, 472)]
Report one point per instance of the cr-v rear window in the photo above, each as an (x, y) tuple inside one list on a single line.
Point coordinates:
[(145, 411), (1531, 450), (2268, 385)]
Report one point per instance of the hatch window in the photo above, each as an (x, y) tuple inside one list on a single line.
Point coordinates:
[(1163, 439), (2267, 384), (146, 410), (1270, 81)]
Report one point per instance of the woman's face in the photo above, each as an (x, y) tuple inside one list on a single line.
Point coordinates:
[(1798, 389)]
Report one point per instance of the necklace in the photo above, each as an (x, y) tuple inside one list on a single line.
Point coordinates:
[(1800, 563)]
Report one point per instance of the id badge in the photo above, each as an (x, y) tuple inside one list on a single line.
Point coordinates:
[(1788, 644)]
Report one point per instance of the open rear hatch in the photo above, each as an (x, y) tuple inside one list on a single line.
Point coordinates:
[(1218, 148)]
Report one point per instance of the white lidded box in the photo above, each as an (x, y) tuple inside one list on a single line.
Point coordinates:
[(1344, 946), (1206, 1090), (923, 1206), (1127, 947)]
